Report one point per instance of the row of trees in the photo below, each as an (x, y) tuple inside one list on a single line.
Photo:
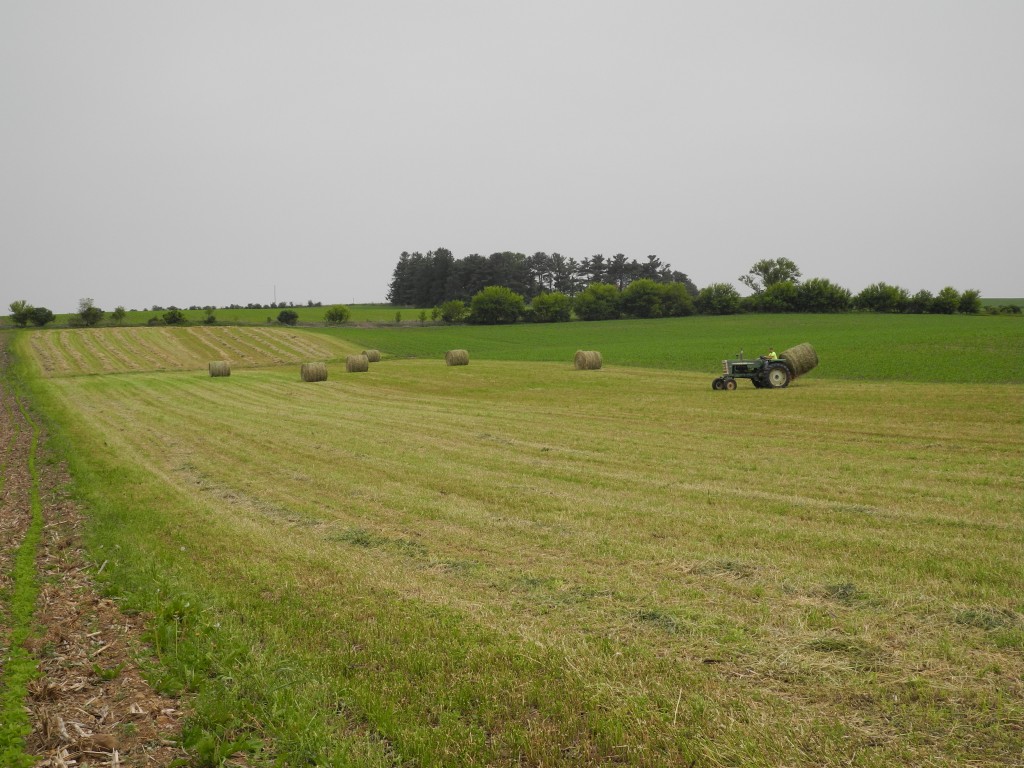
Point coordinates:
[(776, 287), (23, 313), (430, 279), (437, 278), (645, 298)]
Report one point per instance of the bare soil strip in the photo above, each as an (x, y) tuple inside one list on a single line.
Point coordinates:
[(89, 704)]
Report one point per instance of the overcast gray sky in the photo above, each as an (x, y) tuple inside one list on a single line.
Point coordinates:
[(214, 152)]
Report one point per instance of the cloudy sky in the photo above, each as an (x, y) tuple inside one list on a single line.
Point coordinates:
[(233, 151)]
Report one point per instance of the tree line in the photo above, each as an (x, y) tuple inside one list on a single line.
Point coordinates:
[(432, 278), (552, 288), (505, 287)]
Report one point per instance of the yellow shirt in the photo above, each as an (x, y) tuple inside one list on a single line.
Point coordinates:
[(772, 356)]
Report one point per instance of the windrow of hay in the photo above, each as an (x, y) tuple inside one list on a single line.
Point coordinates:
[(373, 355), (587, 360), (357, 363), (801, 358), (314, 371), (456, 357), (220, 368)]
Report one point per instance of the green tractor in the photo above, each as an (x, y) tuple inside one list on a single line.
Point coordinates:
[(765, 373)]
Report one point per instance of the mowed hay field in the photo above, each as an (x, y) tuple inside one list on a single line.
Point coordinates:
[(81, 351), (519, 563)]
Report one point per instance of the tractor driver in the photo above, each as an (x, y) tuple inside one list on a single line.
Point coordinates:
[(771, 354)]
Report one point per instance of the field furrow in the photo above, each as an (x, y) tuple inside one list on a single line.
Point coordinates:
[(64, 352)]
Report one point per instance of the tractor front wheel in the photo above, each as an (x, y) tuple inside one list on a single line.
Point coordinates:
[(730, 384), (777, 376), (718, 384)]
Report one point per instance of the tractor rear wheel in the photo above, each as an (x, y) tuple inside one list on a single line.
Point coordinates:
[(776, 376), (718, 384)]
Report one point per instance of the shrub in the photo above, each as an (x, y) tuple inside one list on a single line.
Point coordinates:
[(496, 305), (881, 297), (40, 316), (676, 300), (947, 301), (337, 315), (920, 303), (175, 317), (970, 302), (777, 297), (718, 299), (553, 307), (88, 312), (210, 318), (642, 298), (821, 295), (118, 314), (288, 317), (453, 311), (598, 301)]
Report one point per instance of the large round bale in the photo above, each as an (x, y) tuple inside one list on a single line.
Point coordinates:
[(587, 360), (357, 364), (801, 359), (220, 368), (373, 355), (456, 357), (314, 371)]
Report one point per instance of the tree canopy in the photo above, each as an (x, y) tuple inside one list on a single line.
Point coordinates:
[(432, 278)]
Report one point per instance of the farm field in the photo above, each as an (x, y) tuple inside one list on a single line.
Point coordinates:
[(862, 346), (934, 348), (516, 563), (361, 313), (85, 351)]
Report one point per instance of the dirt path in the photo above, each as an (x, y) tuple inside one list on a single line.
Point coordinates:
[(89, 705)]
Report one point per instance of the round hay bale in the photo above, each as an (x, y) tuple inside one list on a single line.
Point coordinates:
[(587, 360), (357, 364), (456, 357), (801, 358), (373, 355), (314, 371), (220, 368)]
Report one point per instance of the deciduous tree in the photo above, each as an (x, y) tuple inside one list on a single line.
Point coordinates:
[(768, 272), (20, 312), (554, 307), (642, 298), (496, 305), (40, 316), (718, 299), (598, 301), (288, 317), (88, 312), (947, 301)]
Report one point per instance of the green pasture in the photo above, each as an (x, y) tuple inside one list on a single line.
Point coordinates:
[(926, 348)]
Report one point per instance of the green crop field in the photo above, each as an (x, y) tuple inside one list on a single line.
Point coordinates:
[(952, 348), (516, 563)]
